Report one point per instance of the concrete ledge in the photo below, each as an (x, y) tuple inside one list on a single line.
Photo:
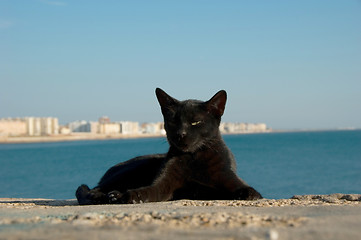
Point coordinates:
[(336, 216)]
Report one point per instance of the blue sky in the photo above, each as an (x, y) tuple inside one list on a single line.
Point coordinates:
[(289, 64)]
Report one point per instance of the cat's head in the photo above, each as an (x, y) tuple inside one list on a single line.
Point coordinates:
[(191, 124)]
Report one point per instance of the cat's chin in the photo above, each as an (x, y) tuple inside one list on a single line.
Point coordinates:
[(186, 148)]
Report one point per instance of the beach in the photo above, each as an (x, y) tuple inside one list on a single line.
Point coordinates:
[(336, 216), (72, 137)]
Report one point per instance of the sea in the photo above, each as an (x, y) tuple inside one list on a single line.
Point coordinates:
[(278, 165)]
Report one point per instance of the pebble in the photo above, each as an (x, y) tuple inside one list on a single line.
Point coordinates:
[(272, 235)]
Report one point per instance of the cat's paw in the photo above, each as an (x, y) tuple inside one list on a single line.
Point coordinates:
[(82, 193), (97, 196), (129, 196), (87, 196), (248, 193), (117, 197)]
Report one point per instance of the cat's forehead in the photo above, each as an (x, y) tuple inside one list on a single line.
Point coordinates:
[(190, 104), (191, 107)]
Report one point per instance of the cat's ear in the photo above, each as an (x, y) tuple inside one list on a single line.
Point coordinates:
[(166, 102), (217, 103)]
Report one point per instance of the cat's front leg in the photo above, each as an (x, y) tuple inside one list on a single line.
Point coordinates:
[(162, 188), (140, 195), (238, 189)]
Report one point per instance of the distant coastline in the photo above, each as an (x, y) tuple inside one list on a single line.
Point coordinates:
[(47, 129), (73, 137), (90, 136), (313, 130)]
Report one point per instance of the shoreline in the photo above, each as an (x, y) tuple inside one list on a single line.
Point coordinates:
[(74, 137), (92, 137), (335, 216)]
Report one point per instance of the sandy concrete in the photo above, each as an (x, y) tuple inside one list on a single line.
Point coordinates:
[(336, 216)]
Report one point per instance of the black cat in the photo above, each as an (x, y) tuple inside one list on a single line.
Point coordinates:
[(198, 165)]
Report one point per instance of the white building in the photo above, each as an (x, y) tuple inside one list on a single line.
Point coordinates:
[(109, 128), (127, 127), (41, 126), (93, 127), (153, 128), (242, 127), (49, 126), (12, 127), (33, 127), (104, 126), (84, 126), (78, 126)]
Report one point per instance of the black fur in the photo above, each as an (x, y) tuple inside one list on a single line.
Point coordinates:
[(198, 164)]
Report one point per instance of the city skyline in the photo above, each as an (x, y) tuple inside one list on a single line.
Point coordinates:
[(50, 127), (292, 65), (86, 120)]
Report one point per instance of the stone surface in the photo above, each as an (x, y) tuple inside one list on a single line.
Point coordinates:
[(336, 216)]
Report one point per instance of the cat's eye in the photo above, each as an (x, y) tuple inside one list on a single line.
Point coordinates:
[(195, 123)]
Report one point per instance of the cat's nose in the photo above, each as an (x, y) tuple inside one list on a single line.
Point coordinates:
[(182, 134)]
